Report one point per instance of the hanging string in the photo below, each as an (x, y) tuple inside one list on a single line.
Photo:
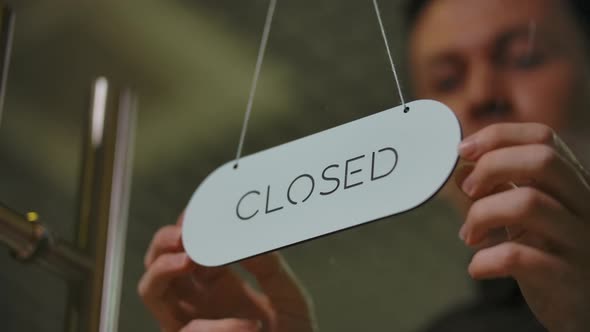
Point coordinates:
[(397, 82), (260, 59), (261, 51)]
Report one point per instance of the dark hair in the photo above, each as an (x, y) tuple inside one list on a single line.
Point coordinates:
[(579, 8)]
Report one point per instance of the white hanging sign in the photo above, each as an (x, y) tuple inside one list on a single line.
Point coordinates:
[(362, 171)]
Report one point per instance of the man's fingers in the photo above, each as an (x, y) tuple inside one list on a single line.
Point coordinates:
[(524, 208), (462, 172), (532, 165), (223, 292), (223, 325), (491, 239), (279, 284), (511, 259), (569, 155), (273, 276), (503, 135), (155, 289), (180, 220), (166, 240), (547, 281), (157, 279)]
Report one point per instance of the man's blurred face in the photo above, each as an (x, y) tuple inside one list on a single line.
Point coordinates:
[(501, 61)]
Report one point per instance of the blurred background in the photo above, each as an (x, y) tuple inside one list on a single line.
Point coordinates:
[(191, 63)]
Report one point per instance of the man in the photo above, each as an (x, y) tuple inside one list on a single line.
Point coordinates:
[(515, 73)]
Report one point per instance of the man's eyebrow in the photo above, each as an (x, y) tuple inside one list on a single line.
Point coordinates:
[(501, 42), (443, 58), (521, 32)]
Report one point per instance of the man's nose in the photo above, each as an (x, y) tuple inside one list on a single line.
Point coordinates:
[(486, 93)]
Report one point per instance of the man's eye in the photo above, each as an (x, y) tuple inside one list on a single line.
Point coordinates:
[(525, 61), (528, 61), (447, 84)]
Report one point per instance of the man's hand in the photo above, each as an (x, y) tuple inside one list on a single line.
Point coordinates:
[(186, 297), (525, 181)]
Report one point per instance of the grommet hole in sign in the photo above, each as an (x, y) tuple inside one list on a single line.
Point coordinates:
[(381, 165)]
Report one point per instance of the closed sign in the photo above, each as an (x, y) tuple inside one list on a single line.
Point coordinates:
[(362, 171)]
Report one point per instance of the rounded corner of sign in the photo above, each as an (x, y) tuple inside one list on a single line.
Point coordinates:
[(435, 192), (195, 252), (204, 263), (451, 112), (432, 101), (216, 171), (207, 179), (184, 231), (201, 260), (186, 243)]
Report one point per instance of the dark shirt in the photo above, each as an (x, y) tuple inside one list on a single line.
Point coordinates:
[(498, 307)]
